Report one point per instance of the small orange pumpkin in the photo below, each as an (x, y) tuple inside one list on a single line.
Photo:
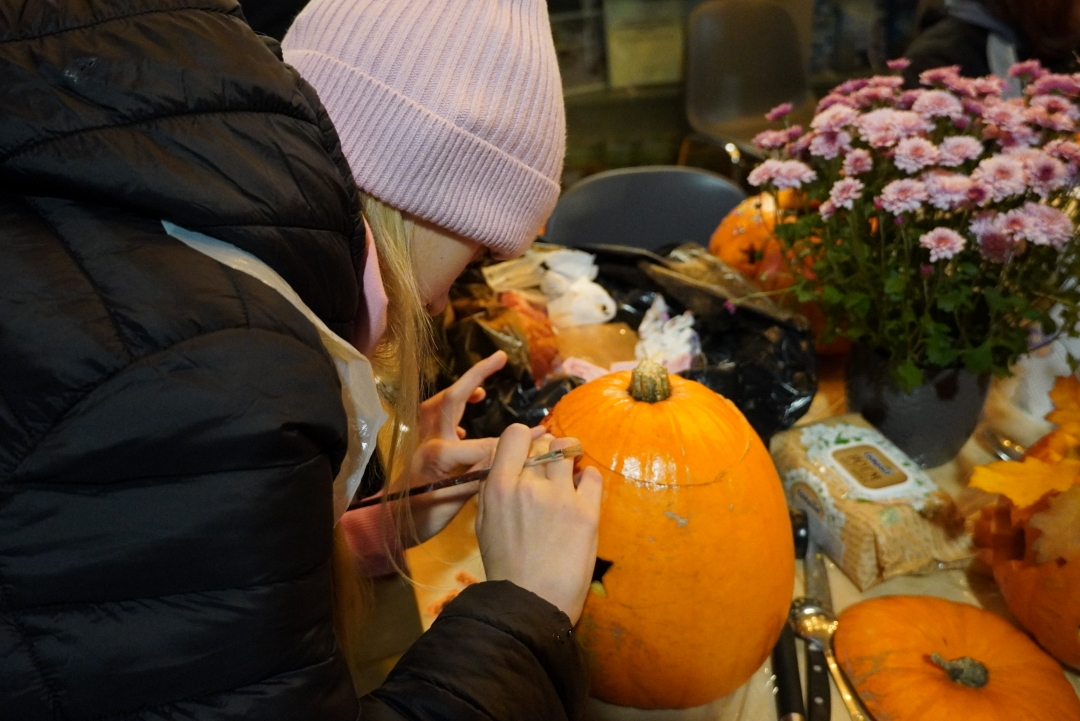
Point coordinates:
[(745, 241), (695, 563), (920, 658)]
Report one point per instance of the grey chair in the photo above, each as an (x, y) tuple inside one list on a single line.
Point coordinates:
[(645, 207), (743, 57)]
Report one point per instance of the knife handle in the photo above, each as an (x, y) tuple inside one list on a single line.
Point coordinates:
[(818, 691), (789, 701)]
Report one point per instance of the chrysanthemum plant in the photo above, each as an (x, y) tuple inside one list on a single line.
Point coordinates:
[(937, 226)]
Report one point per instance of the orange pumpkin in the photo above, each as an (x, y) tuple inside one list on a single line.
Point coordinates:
[(745, 241), (696, 560), (921, 658)]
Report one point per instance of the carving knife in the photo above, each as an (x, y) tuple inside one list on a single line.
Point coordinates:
[(785, 661), (818, 691)]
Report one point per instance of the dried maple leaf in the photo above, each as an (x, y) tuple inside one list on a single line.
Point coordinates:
[(1060, 526), (1025, 482), (1066, 398)]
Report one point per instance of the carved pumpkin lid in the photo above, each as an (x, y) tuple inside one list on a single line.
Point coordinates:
[(692, 437)]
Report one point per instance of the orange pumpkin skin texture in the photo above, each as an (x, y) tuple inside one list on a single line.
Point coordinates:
[(745, 241), (695, 524), (884, 646), (1045, 598)]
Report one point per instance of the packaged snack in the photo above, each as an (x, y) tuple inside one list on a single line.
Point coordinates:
[(872, 509)]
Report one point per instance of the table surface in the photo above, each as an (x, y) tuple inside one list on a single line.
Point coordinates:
[(448, 562)]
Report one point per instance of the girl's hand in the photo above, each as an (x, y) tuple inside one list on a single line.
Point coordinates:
[(535, 528), (442, 450)]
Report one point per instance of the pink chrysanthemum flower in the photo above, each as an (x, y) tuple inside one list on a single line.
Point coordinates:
[(832, 100), (947, 191), (771, 139), (1056, 104), (914, 154), (1040, 224), (793, 132), (1031, 69), (1045, 173), (827, 209), (942, 243), (972, 107), (845, 192), (898, 63), (885, 127), (989, 85), (887, 81), (874, 94), (782, 174), (858, 162), (907, 98), (1021, 137), (830, 144), (939, 75), (964, 87), (957, 149), (834, 119), (850, 86), (903, 196), (938, 104), (799, 146), (994, 244), (1003, 175), (1052, 121), (1066, 150), (778, 112), (1008, 115), (1065, 84)]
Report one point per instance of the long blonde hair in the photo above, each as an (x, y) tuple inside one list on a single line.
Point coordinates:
[(405, 361), (404, 364)]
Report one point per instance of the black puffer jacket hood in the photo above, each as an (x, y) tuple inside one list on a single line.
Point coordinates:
[(133, 104)]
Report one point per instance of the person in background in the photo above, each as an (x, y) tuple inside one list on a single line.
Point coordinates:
[(181, 255), (987, 36)]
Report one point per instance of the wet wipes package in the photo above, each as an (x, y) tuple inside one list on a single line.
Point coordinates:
[(873, 510)]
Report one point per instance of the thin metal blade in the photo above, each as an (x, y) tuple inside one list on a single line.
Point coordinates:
[(817, 576)]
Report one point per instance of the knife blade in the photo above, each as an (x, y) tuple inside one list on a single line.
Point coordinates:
[(818, 690), (785, 659)]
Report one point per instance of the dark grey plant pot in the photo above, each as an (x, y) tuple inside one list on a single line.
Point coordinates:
[(932, 423)]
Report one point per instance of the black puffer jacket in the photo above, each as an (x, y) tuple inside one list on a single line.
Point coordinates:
[(170, 428)]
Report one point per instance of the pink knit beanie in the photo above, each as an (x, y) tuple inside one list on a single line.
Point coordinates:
[(450, 110)]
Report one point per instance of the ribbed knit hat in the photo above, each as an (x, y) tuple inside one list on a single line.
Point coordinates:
[(450, 110)]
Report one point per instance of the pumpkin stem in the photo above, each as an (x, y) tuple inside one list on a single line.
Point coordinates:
[(649, 383), (964, 670)]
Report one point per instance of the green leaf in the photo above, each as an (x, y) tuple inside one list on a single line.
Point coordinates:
[(940, 350), (832, 295), (895, 285), (908, 376), (857, 302), (949, 300), (979, 359)]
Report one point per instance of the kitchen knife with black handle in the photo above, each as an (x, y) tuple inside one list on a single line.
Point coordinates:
[(785, 661), (818, 690)]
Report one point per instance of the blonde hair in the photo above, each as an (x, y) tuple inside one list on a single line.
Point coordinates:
[(405, 360), (404, 363)]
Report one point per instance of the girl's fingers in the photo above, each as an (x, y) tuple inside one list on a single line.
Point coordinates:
[(561, 472), (510, 455), (464, 390), (452, 455)]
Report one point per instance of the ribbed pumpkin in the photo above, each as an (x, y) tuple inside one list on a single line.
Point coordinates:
[(919, 658), (696, 562)]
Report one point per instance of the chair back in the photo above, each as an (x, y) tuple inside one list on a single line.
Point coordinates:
[(743, 57), (646, 207)]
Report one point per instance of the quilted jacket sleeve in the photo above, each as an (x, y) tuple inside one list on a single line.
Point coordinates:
[(496, 651)]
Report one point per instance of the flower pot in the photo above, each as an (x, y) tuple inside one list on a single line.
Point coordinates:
[(930, 424)]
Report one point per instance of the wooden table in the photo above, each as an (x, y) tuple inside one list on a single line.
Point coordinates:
[(446, 563)]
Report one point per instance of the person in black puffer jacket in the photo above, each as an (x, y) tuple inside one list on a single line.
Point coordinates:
[(170, 427)]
